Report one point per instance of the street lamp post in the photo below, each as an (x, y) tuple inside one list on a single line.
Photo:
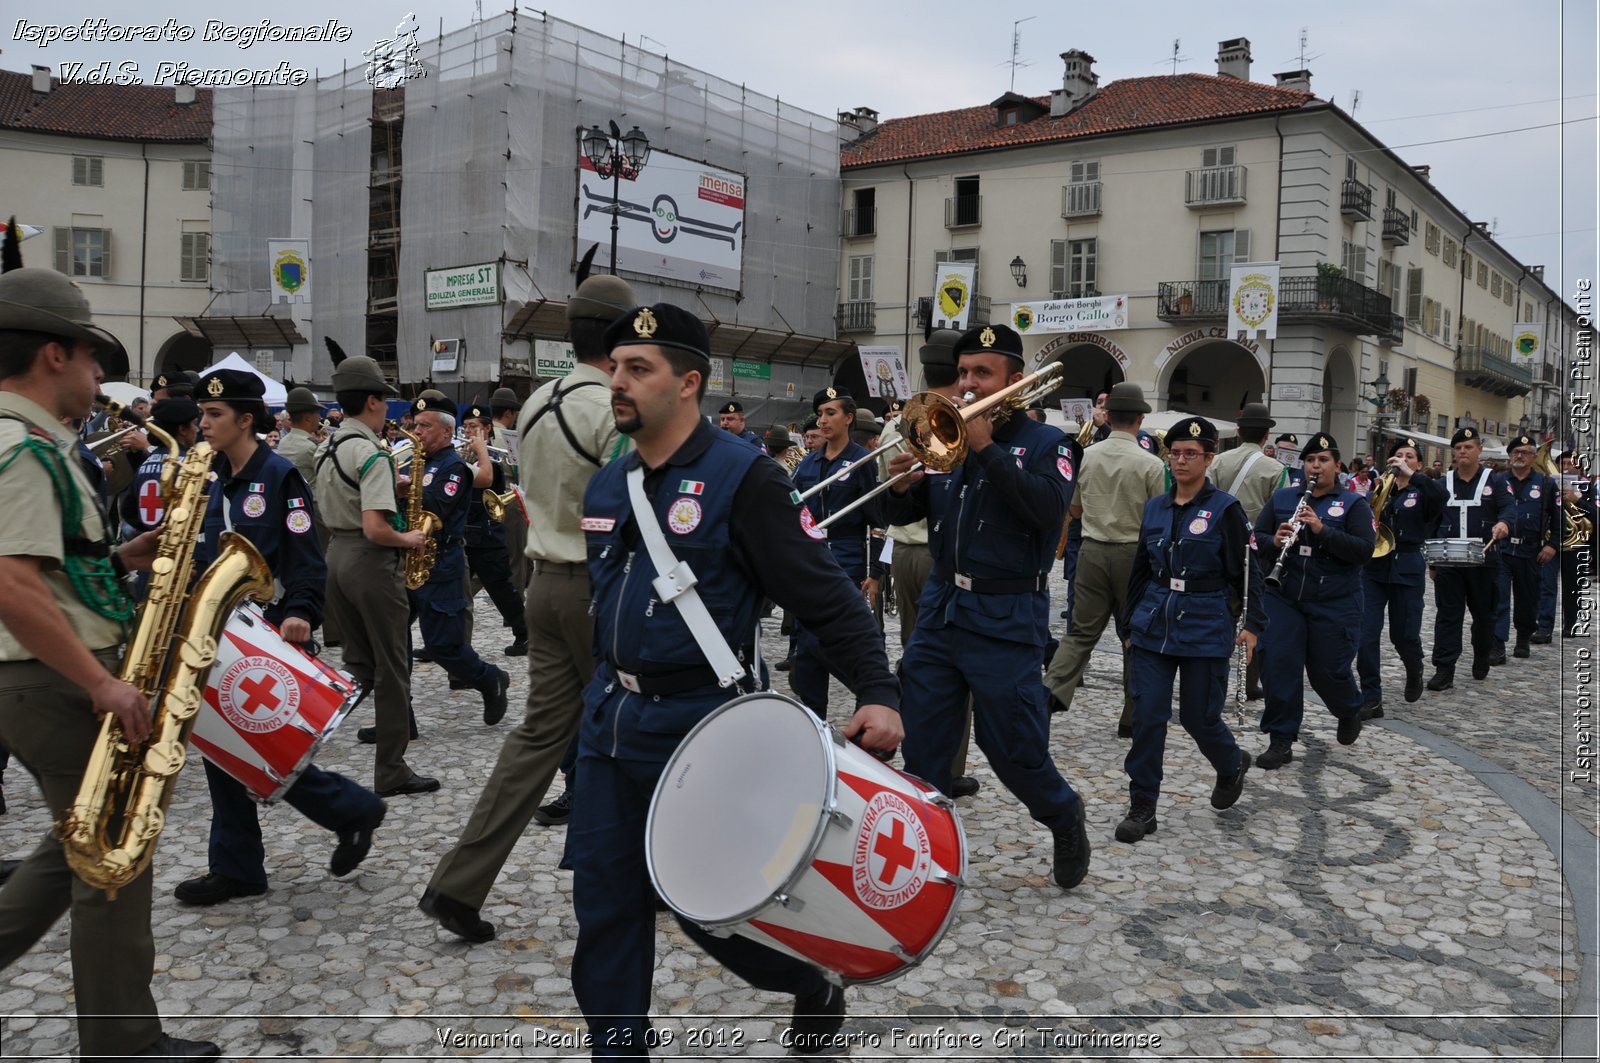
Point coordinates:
[(616, 156), (1380, 399)]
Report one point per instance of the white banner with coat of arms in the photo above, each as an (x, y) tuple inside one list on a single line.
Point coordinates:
[(1253, 301), (289, 264), (1526, 339), (952, 293)]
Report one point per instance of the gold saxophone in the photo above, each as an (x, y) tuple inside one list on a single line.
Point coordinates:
[(420, 561), (110, 832)]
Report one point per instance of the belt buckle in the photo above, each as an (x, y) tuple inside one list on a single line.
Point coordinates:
[(964, 582), (1176, 584), (628, 680)]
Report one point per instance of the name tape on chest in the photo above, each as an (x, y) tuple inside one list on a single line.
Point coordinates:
[(597, 524)]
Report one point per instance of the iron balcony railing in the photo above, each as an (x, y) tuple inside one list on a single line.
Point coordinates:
[(1396, 226), (862, 221), (1080, 200), (963, 212), (1214, 185), (1355, 201), (1330, 300), (1482, 369), (860, 316)]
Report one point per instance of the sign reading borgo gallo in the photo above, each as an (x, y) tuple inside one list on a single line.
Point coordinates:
[(679, 220), (1071, 315), (446, 289)]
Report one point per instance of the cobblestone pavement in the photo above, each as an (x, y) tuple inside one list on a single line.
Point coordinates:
[(1360, 903)]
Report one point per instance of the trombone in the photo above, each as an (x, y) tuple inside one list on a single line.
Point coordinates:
[(934, 429)]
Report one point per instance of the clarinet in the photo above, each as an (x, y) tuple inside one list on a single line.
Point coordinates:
[(1243, 651), (1275, 577)]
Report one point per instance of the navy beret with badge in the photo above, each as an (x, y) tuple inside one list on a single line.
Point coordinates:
[(179, 409), (731, 407), (231, 385), (1401, 444), (1466, 435), (1523, 440), (476, 412), (829, 394), (1196, 430), (661, 325), (1289, 438), (1320, 443), (989, 339), (432, 399)]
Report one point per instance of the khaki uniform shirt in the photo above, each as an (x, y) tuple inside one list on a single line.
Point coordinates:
[(1264, 477), (300, 447), (909, 534), (339, 505), (30, 520), (555, 496), (1118, 477)]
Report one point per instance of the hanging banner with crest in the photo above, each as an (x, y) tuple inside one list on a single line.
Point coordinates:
[(1253, 301), (289, 264), (952, 293)]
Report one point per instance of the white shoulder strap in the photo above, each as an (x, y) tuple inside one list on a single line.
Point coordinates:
[(675, 584), (1238, 477)]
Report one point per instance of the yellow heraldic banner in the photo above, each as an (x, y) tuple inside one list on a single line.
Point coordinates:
[(289, 264), (1526, 339), (1253, 301), (952, 293)]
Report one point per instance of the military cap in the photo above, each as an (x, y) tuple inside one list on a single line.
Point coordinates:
[(989, 339), (42, 300), (1319, 443), (940, 348), (1522, 440), (866, 422), (604, 298), (829, 394), (1255, 415), (778, 439), (360, 373), (231, 385), (479, 412), (433, 399), (178, 409), (731, 407), (1196, 430), (1126, 397), (661, 325), (1466, 435), (1289, 438), (504, 399), (301, 400), (1400, 444)]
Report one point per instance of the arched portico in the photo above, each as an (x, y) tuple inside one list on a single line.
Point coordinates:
[(1092, 363), (1341, 397), (1212, 378), (181, 351)]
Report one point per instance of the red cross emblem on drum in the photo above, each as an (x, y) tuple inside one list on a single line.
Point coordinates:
[(258, 694), (150, 503), (892, 856)]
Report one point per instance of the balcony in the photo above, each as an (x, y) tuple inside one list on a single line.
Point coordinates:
[(1396, 226), (859, 316), (1079, 292), (1080, 200), (1355, 200), (977, 313), (1477, 368), (1333, 302), (963, 212), (1214, 186), (861, 221)]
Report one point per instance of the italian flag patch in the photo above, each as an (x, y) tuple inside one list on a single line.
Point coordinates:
[(691, 487)]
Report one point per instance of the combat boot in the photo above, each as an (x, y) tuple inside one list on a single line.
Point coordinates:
[(1141, 820)]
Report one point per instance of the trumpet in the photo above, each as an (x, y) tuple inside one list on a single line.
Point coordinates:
[(498, 505)]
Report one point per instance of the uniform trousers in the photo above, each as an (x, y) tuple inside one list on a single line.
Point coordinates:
[(1549, 576), (326, 798), (942, 667), (1314, 638), (1577, 574), (1101, 593), (911, 565), (809, 676), (1519, 578), (1202, 692), (560, 664), (489, 568), (614, 903), (1456, 590), (366, 603), (1404, 607), (50, 726), (440, 610)]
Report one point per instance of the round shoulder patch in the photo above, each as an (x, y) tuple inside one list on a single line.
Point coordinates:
[(1198, 526), (808, 524), (1064, 466), (254, 505), (684, 516), (299, 521)]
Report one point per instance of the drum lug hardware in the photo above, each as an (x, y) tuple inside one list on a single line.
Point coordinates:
[(948, 879), (901, 953), (840, 819), (793, 904), (939, 800)]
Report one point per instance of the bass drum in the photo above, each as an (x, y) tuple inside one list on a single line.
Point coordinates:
[(766, 823)]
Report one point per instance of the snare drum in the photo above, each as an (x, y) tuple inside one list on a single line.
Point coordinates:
[(1455, 553), (267, 706), (768, 824)]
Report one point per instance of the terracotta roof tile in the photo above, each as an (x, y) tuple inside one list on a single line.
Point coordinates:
[(1132, 103), (107, 112)]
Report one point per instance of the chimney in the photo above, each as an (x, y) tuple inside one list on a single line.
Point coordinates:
[(853, 125), (1295, 79), (1233, 58), (1079, 83), (1537, 271), (41, 79), (1423, 171), (183, 94)]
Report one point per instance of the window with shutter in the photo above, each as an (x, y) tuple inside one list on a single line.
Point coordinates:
[(1449, 252), (194, 258), (88, 170), (1508, 296), (83, 252), (1082, 268), (1414, 296), (1494, 285), (1217, 157), (1241, 243), (1447, 328), (196, 176), (1466, 264), (860, 279), (1058, 269), (1483, 275), (1430, 238)]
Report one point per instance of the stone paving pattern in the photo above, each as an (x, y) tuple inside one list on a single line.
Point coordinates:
[(1364, 902)]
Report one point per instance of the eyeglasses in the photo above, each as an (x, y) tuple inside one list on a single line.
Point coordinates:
[(1186, 455)]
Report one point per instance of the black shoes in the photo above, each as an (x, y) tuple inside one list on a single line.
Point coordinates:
[(1071, 860), (1444, 677), (1229, 787), (1498, 657), (1481, 665), (1141, 820), (211, 889), (1413, 682), (1541, 638), (169, 1047), (1280, 751), (784, 665), (460, 919), (7, 869), (818, 1018), (1253, 692), (422, 656), (494, 696), (354, 845), (1521, 649), (518, 648), (1350, 730), (1372, 710), (1124, 730), (417, 784), (964, 786), (557, 812), (368, 736)]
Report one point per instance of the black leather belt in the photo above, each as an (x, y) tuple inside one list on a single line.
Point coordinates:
[(1195, 586), (989, 586), (1408, 548), (664, 683)]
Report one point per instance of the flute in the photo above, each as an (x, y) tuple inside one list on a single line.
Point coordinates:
[(1275, 577)]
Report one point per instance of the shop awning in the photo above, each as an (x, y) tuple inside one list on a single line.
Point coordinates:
[(243, 332)]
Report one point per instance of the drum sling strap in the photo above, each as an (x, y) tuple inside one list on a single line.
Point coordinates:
[(1461, 504), (675, 584)]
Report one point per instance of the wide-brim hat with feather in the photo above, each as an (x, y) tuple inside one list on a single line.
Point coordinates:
[(42, 300)]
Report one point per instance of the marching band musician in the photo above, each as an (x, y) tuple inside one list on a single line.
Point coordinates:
[(141, 506), (993, 523), (1531, 515), (506, 407), (487, 563), (61, 630), (1475, 500), (1314, 614), (366, 595), (731, 517), (1393, 583), (847, 539), (730, 415), (781, 448), (260, 495), (439, 604), (1192, 577)]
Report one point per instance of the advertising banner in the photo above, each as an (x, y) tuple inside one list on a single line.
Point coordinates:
[(1099, 314), (446, 289)]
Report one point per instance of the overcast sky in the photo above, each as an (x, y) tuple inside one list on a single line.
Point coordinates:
[(1499, 98)]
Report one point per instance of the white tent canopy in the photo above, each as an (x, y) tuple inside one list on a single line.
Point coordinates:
[(123, 392), (1159, 421), (1493, 449), (276, 394)]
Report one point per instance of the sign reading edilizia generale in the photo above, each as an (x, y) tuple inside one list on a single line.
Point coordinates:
[(479, 285), (1099, 314)]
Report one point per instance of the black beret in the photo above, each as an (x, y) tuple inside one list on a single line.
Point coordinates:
[(1466, 435), (1407, 441), (177, 409), (479, 413), (731, 407), (1196, 430), (989, 339), (1289, 438), (827, 395), (232, 385), (1319, 443), (433, 399), (661, 325), (1523, 440)]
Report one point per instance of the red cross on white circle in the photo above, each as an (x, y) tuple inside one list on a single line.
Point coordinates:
[(150, 503), (260, 693), (896, 854)]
